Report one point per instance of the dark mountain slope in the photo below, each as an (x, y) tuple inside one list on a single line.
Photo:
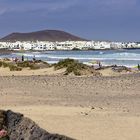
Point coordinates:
[(45, 35)]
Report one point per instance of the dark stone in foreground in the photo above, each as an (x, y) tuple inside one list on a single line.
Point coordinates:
[(22, 128)]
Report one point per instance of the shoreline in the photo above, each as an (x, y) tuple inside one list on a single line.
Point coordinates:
[(8, 50), (51, 58)]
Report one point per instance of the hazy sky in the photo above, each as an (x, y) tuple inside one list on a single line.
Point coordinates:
[(91, 19)]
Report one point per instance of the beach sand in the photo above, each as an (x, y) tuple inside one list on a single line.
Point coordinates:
[(84, 108), (28, 72)]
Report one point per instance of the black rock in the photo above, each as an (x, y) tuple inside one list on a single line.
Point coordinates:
[(22, 128)]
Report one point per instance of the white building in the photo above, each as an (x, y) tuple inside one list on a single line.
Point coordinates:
[(66, 45)]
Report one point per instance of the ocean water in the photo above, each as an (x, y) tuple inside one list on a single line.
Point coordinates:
[(130, 58)]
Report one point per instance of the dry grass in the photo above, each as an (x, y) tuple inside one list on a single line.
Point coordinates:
[(75, 67)]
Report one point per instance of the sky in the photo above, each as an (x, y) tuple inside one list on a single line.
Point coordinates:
[(113, 20)]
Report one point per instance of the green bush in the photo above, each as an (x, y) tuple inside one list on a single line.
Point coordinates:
[(76, 68), (1, 63), (14, 68), (11, 66), (34, 67), (28, 64), (72, 66), (65, 63), (78, 73), (24, 64), (19, 65), (4, 64)]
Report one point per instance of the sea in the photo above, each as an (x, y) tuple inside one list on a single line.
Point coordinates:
[(125, 57)]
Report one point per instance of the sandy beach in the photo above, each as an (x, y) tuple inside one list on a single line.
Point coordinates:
[(84, 108), (69, 70)]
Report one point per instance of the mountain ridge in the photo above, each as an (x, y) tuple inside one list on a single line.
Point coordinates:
[(43, 35)]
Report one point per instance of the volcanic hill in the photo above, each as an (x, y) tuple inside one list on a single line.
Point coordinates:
[(44, 35)]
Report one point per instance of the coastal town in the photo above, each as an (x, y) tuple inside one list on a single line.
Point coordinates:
[(67, 45)]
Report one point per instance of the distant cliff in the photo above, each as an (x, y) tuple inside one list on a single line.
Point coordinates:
[(45, 35)]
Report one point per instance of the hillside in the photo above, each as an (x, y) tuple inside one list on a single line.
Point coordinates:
[(45, 35)]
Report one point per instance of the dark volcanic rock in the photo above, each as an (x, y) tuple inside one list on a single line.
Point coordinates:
[(2, 119), (45, 35), (120, 68), (22, 128)]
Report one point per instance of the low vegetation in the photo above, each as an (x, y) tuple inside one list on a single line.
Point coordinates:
[(75, 67), (64, 63), (14, 68), (34, 67), (18, 66), (120, 69), (28, 64), (33, 64), (4, 64), (11, 66), (72, 66), (24, 64)]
